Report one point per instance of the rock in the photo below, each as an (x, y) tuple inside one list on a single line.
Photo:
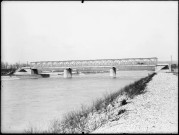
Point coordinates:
[(109, 107), (120, 98), (121, 111), (123, 102)]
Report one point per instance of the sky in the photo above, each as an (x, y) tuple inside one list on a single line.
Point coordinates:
[(71, 30)]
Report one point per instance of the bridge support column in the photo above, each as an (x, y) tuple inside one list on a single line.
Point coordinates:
[(113, 72), (67, 73), (34, 71), (170, 67)]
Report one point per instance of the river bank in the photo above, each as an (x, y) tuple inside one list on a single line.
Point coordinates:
[(156, 111), (100, 113)]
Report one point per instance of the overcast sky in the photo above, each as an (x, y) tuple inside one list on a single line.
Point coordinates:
[(44, 31)]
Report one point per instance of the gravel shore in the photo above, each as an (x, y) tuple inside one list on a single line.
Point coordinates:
[(155, 111)]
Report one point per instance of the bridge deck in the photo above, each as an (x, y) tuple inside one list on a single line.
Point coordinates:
[(99, 66), (96, 63)]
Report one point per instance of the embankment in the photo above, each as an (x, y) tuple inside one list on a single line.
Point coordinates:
[(156, 111), (103, 111)]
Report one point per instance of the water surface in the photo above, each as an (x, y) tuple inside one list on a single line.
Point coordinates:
[(36, 102)]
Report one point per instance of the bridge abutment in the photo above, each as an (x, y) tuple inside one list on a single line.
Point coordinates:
[(67, 73), (113, 72)]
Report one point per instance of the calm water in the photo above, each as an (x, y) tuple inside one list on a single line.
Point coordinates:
[(36, 102)]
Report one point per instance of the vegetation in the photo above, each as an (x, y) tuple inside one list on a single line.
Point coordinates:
[(6, 65), (9, 69), (174, 66), (82, 121)]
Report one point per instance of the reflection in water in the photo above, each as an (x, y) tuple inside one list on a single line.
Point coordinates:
[(34, 102)]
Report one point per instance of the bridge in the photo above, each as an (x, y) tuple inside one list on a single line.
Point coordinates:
[(109, 63)]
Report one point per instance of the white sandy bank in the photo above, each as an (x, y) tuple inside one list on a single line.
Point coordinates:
[(156, 111)]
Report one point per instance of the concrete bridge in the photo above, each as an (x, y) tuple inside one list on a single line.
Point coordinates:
[(108, 63)]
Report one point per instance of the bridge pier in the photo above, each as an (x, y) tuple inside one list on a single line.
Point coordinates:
[(34, 71), (67, 73), (113, 72)]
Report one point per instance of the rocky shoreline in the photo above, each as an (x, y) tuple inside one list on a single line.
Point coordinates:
[(155, 111)]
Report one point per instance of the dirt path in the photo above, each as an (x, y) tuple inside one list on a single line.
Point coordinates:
[(156, 111)]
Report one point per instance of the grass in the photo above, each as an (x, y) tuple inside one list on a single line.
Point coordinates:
[(137, 87), (82, 121)]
